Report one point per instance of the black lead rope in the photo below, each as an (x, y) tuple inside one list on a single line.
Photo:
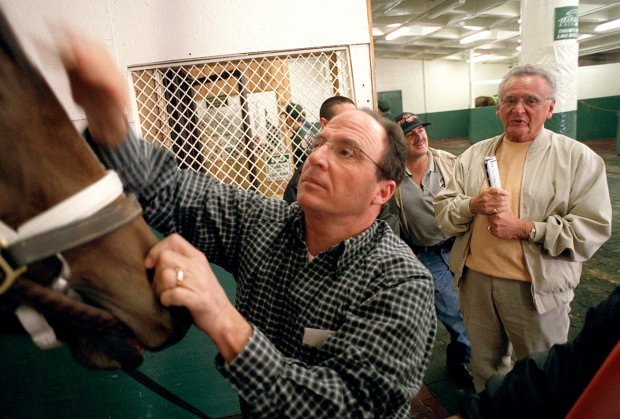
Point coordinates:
[(157, 388)]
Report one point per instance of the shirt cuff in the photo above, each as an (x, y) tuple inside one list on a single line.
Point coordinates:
[(254, 370), (464, 210)]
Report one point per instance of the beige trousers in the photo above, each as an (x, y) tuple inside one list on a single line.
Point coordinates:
[(499, 315)]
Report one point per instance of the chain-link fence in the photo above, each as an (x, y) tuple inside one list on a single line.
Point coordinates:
[(233, 117)]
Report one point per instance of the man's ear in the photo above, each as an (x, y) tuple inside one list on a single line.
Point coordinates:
[(550, 109), (385, 191)]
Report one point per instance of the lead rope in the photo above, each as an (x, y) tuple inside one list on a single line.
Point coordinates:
[(162, 391), (49, 301)]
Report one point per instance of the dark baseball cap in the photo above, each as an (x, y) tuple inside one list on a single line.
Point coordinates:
[(409, 121)]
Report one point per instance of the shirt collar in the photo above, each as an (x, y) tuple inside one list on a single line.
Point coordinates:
[(347, 251), (432, 167)]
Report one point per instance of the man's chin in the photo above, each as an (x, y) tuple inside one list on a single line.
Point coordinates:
[(306, 199)]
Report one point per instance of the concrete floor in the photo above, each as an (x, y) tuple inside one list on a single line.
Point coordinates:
[(601, 275)]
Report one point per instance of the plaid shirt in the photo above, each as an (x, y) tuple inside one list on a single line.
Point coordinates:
[(369, 293)]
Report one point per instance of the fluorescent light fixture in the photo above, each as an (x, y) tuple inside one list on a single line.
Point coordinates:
[(584, 36), (486, 57), (377, 32), (474, 37), (472, 28), (403, 30), (607, 26), (393, 25)]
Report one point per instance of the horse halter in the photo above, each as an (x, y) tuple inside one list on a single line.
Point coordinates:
[(46, 236), (81, 218)]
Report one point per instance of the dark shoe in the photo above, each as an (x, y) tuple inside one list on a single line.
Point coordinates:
[(462, 376)]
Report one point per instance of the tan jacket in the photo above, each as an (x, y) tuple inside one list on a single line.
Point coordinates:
[(564, 192)]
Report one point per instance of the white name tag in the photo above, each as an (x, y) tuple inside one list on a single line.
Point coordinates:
[(316, 337)]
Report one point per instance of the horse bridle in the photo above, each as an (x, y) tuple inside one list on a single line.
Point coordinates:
[(90, 214), (37, 241)]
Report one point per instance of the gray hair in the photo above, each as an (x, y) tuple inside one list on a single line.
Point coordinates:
[(531, 69)]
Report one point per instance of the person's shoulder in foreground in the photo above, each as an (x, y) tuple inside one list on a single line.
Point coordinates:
[(547, 384)]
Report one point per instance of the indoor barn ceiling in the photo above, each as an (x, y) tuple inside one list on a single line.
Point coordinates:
[(437, 26)]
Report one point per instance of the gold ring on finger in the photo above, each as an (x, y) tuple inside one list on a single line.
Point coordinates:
[(180, 276)]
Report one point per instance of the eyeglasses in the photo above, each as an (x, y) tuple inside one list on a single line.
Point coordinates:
[(531, 102), (345, 151)]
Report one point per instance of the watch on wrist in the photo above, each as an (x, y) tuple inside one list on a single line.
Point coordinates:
[(532, 233)]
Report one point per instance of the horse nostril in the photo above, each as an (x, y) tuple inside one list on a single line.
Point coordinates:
[(150, 274)]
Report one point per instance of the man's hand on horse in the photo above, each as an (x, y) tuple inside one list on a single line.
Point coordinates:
[(97, 84), (184, 278)]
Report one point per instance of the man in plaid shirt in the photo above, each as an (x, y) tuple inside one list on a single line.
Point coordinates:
[(334, 315)]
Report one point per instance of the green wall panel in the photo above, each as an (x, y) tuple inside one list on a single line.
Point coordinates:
[(594, 119), (395, 97), (49, 384), (444, 125), (598, 118), (618, 138), (483, 124)]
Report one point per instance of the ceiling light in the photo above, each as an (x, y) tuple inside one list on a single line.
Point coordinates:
[(393, 25), (486, 57), (474, 37), (377, 32), (607, 26), (403, 30)]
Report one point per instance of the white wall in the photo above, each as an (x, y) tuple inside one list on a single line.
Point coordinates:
[(598, 81), (441, 85), (155, 31), (436, 86)]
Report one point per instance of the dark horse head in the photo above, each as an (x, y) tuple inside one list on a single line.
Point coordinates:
[(43, 161)]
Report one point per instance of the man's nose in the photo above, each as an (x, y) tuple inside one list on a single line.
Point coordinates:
[(318, 154), (520, 105)]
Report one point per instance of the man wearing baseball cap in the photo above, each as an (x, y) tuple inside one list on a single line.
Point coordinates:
[(428, 172)]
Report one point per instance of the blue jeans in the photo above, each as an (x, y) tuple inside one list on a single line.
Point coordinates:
[(435, 258)]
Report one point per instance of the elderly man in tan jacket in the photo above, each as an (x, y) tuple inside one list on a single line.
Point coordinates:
[(519, 249)]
